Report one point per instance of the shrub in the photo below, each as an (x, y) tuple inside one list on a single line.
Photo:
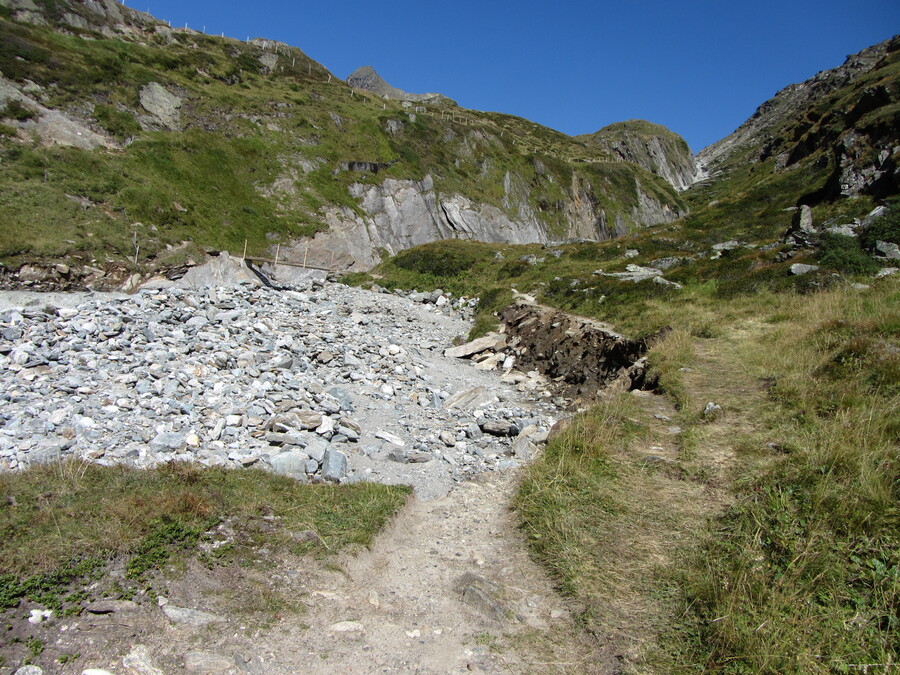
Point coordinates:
[(117, 122), (885, 228), (845, 255), (445, 259), (14, 110)]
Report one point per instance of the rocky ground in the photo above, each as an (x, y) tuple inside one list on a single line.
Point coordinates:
[(321, 382)]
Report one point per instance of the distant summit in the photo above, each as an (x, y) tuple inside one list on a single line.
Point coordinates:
[(652, 146), (367, 79)]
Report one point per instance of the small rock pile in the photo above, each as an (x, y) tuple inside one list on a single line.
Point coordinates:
[(324, 382)]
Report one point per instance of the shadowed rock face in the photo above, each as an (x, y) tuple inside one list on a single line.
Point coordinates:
[(583, 355)]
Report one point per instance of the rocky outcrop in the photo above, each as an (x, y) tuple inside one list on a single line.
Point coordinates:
[(400, 214), (105, 16), (652, 146), (53, 127), (162, 105), (789, 128), (367, 79)]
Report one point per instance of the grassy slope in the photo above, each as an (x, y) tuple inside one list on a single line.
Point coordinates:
[(245, 128)]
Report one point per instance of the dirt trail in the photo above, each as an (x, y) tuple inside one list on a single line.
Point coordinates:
[(397, 608)]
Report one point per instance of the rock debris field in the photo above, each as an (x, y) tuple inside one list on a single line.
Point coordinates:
[(319, 382)]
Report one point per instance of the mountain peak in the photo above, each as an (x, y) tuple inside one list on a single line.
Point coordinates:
[(368, 79)]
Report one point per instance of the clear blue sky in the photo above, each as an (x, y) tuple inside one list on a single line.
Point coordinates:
[(698, 67)]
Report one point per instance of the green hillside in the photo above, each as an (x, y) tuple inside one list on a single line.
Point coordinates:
[(263, 140)]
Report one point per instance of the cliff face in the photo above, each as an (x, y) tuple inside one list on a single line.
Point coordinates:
[(846, 116), (400, 214), (652, 146)]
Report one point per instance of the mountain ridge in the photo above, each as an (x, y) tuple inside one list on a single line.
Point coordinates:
[(321, 166), (764, 133)]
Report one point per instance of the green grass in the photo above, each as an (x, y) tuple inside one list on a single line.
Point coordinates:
[(63, 523), (802, 573)]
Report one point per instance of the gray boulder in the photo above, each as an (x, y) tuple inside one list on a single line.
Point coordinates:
[(291, 463), (162, 105), (334, 466)]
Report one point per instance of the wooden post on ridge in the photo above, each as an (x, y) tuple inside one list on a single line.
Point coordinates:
[(305, 255), (277, 253), (244, 257)]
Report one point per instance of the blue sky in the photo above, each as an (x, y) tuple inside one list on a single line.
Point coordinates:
[(698, 67)]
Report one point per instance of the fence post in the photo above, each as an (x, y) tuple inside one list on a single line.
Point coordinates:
[(244, 257)]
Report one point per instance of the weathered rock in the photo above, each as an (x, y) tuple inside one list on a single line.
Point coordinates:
[(799, 268), (491, 341), (207, 663), (334, 465), (29, 670), (802, 233), (499, 428), (483, 595), (290, 463), (347, 627), (887, 249), (162, 104), (221, 270), (471, 398), (712, 411), (523, 448), (139, 662), (191, 617)]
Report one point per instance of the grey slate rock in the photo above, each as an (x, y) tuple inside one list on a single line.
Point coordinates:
[(334, 466)]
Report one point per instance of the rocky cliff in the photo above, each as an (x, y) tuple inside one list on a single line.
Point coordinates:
[(652, 146), (400, 214)]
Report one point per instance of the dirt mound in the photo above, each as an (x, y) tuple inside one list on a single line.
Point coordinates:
[(582, 356)]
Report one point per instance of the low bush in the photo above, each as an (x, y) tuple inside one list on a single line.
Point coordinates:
[(845, 254)]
